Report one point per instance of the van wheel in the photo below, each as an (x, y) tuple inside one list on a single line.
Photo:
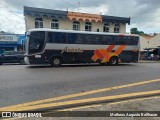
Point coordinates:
[(56, 62), (113, 61)]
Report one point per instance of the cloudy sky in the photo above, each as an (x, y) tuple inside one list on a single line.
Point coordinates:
[(145, 14)]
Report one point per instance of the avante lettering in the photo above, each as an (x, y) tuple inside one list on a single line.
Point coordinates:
[(74, 50)]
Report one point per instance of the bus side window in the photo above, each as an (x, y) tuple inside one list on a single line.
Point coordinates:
[(118, 40), (107, 40), (128, 41), (135, 40), (71, 38), (51, 37), (79, 39), (96, 40), (60, 37), (56, 37), (88, 39), (123, 38)]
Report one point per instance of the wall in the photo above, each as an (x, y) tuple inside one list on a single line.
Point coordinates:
[(67, 24)]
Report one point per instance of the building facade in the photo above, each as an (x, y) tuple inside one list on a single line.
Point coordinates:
[(11, 42), (56, 19), (149, 45)]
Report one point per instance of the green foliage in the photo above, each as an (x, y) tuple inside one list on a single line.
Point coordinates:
[(141, 33), (136, 31), (155, 34)]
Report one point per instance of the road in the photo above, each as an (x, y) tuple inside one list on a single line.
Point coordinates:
[(21, 83)]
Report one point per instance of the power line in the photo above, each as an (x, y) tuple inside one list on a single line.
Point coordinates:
[(9, 10), (46, 3), (68, 3)]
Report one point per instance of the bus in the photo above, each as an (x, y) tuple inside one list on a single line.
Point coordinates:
[(57, 47)]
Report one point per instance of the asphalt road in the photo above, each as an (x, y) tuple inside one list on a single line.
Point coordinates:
[(22, 83)]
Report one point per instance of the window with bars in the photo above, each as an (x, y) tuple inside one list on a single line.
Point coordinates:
[(106, 27), (76, 25), (54, 24), (38, 22), (88, 26), (116, 28)]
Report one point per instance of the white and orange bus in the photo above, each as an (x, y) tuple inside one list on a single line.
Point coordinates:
[(56, 47)]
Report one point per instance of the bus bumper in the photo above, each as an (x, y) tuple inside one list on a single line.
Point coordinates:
[(32, 60)]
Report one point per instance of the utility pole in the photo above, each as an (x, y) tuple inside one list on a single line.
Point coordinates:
[(78, 5)]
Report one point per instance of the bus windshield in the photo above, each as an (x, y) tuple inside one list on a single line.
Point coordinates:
[(36, 41)]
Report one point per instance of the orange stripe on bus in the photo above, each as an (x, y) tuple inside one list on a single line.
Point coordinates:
[(105, 54), (99, 54), (119, 50), (109, 49), (94, 57)]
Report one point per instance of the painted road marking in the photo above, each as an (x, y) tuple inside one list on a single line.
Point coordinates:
[(100, 105), (97, 105), (78, 94), (81, 101)]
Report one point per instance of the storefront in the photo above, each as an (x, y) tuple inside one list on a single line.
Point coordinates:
[(11, 42)]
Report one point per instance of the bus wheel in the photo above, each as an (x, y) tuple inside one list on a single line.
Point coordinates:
[(102, 64), (56, 62), (113, 61), (0, 63)]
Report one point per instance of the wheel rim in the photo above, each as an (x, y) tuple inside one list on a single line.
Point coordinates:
[(114, 61), (56, 61)]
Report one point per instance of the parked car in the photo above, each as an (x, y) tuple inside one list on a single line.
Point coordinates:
[(12, 57)]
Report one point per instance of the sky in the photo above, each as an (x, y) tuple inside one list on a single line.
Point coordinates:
[(144, 14)]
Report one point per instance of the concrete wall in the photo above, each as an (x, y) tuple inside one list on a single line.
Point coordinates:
[(144, 43), (155, 41), (152, 43)]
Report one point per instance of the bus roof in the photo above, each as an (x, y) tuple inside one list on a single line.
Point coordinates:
[(83, 32)]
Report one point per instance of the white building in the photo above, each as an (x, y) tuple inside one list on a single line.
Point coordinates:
[(68, 20)]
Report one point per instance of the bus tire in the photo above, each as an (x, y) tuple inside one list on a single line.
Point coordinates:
[(0, 63), (102, 64), (113, 61), (56, 62)]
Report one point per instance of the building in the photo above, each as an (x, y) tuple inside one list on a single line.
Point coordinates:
[(149, 44), (57, 19), (11, 42), (155, 41)]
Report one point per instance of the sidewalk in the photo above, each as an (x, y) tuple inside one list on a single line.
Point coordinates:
[(144, 104), (147, 106), (148, 61)]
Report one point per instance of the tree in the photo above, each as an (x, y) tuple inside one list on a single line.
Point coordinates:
[(155, 34), (136, 31), (141, 33)]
